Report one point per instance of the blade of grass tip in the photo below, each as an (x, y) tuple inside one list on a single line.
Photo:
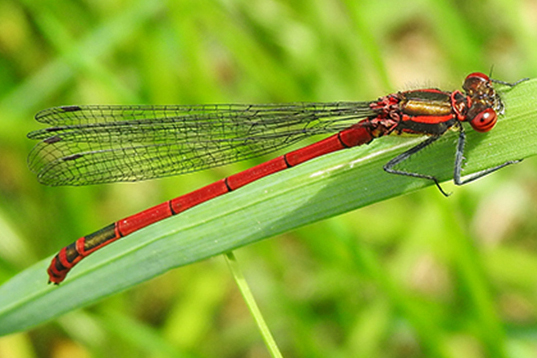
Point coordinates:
[(252, 306)]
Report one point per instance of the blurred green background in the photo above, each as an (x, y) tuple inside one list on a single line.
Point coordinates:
[(415, 276)]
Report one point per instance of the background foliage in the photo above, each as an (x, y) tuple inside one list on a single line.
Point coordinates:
[(419, 275)]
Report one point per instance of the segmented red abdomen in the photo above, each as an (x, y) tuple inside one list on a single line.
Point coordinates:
[(360, 133)]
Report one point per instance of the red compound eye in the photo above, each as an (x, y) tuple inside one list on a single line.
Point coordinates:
[(475, 82), (484, 121), (478, 75)]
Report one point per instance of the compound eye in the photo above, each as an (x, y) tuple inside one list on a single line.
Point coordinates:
[(478, 76), (485, 120), (475, 81)]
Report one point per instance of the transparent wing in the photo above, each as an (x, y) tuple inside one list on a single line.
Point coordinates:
[(102, 144)]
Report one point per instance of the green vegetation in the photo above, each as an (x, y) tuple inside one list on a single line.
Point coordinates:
[(417, 275)]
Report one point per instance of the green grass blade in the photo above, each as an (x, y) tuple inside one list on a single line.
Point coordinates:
[(325, 187), (252, 305)]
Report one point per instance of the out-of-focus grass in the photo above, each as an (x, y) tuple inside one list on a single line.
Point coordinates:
[(348, 286)]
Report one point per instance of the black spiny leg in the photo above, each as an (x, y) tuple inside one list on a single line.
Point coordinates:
[(459, 157), (388, 167)]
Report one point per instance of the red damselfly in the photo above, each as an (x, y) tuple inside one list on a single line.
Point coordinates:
[(103, 144)]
